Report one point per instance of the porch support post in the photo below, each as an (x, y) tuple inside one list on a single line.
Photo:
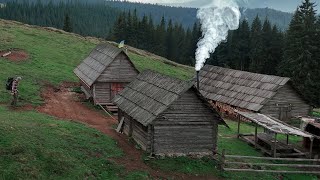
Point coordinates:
[(256, 136), (275, 146), (311, 146), (239, 125)]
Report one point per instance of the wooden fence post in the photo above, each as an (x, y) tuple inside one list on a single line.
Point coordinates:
[(223, 159), (316, 157)]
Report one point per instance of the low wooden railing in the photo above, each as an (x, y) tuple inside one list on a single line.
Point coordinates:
[(310, 166)]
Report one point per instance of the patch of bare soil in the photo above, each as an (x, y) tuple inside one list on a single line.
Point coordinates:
[(64, 104), (14, 55)]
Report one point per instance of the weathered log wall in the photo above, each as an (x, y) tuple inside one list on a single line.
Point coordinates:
[(120, 70), (102, 93), (188, 126), (135, 130), (286, 97)]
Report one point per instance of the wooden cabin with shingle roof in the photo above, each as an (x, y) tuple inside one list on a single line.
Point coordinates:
[(230, 89), (167, 116), (105, 72)]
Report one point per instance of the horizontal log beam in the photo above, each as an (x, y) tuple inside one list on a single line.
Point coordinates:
[(276, 165), (272, 171), (270, 158)]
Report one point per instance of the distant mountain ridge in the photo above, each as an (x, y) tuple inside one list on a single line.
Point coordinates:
[(187, 16)]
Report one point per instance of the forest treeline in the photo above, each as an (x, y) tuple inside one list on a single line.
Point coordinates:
[(260, 48), (185, 16), (92, 19), (257, 46)]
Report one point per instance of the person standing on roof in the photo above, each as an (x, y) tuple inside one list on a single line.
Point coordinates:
[(15, 91)]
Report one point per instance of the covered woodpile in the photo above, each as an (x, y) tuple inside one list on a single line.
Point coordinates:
[(105, 72), (239, 90), (167, 116)]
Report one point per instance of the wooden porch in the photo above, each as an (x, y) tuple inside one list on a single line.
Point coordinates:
[(268, 141)]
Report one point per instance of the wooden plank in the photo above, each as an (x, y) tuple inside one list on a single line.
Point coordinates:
[(275, 165), (273, 159), (120, 125), (87, 94), (106, 111), (272, 171), (6, 54)]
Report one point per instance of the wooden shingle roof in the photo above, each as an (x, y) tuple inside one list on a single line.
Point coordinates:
[(149, 95), (239, 88), (274, 125), (100, 58)]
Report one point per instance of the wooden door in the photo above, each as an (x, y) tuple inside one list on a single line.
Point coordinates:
[(116, 88), (285, 113)]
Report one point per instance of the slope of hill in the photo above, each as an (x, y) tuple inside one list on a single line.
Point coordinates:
[(36, 146), (59, 53)]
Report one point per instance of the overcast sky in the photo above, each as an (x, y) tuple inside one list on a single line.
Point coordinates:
[(282, 5)]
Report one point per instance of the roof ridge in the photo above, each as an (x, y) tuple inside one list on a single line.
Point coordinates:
[(246, 72), (161, 87), (159, 92), (239, 88), (98, 61)]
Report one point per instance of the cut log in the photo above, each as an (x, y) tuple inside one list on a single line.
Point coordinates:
[(120, 125), (6, 54)]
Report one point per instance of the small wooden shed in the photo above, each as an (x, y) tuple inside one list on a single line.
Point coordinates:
[(167, 116), (105, 72), (229, 89)]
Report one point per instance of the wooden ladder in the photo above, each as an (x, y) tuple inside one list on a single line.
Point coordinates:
[(112, 108)]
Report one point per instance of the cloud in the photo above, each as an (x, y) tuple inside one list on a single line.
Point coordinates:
[(161, 1)]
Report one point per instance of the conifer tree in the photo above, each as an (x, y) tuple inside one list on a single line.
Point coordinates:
[(276, 51), (239, 42), (300, 57), (161, 38), (170, 41), (119, 28), (67, 24), (266, 53), (256, 46)]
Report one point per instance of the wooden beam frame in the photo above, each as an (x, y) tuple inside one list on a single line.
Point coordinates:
[(275, 145), (256, 136), (311, 147), (239, 121)]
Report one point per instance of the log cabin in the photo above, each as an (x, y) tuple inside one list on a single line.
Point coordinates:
[(104, 73), (228, 89), (167, 116)]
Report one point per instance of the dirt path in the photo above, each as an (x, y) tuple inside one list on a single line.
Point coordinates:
[(64, 104)]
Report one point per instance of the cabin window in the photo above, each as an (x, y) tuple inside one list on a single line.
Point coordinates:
[(116, 88)]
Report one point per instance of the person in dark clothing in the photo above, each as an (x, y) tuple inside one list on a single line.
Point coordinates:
[(15, 91)]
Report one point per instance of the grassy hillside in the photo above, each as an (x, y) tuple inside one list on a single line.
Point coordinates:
[(34, 145), (53, 56)]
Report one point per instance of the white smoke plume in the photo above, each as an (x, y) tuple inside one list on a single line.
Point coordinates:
[(216, 20)]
